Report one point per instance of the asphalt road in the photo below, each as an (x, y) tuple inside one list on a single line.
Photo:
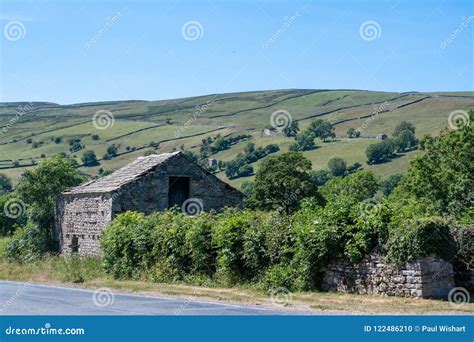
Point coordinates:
[(18, 298)]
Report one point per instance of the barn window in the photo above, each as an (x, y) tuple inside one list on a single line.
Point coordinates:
[(178, 190)]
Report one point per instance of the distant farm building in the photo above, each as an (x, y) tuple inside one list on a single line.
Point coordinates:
[(381, 136), (152, 183)]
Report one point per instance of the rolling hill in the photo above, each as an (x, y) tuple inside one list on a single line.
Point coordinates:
[(32, 131)]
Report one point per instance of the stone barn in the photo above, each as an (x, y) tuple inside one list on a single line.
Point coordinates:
[(152, 183)]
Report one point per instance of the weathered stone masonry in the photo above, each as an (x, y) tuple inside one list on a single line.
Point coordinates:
[(146, 185), (429, 277)]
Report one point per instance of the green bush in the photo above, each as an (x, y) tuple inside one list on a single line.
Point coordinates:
[(420, 237), (28, 243)]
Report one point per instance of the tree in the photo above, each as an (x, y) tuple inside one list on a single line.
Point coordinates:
[(443, 175), (360, 185), (337, 166), (39, 187), (282, 182), (320, 177), (380, 152), (112, 150), (390, 183), (95, 137), (403, 126), (292, 129), (245, 170), (353, 133), (304, 142), (5, 184), (322, 129), (405, 140), (89, 158)]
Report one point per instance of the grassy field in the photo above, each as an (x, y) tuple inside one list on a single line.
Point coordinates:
[(185, 122), (88, 274)]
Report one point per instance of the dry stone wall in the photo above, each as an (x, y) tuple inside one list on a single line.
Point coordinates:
[(429, 277)]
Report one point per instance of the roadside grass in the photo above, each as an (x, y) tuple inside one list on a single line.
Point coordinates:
[(87, 273)]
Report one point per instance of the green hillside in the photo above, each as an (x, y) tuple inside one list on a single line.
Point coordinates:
[(31, 131)]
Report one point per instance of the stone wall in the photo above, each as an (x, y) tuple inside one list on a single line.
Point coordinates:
[(82, 217), (429, 277)]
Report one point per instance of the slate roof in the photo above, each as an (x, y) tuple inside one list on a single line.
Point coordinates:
[(126, 174)]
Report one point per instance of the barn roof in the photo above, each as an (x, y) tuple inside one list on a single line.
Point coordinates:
[(126, 174)]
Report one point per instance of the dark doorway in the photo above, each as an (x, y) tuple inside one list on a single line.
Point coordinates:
[(74, 244), (178, 191)]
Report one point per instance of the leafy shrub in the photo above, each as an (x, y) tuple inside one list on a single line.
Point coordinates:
[(28, 243), (420, 237)]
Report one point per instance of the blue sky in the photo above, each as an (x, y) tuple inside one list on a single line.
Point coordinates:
[(80, 51)]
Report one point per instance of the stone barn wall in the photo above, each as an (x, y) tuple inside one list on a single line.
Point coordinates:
[(429, 277), (80, 220)]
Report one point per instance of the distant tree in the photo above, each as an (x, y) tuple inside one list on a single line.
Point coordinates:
[(112, 150), (190, 155), (89, 158), (354, 167), (403, 126), (320, 177), (353, 133), (95, 137), (292, 129), (380, 152), (29, 141), (5, 184), (154, 144), (405, 140), (245, 170), (337, 166), (390, 183), (282, 182), (249, 148), (272, 148), (57, 140), (304, 142), (247, 188), (322, 129), (360, 185)]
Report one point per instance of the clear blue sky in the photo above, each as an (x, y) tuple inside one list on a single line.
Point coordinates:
[(140, 53)]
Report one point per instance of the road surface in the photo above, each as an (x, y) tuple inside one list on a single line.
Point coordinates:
[(18, 298)]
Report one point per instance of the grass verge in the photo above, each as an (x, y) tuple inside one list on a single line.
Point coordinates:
[(87, 273)]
